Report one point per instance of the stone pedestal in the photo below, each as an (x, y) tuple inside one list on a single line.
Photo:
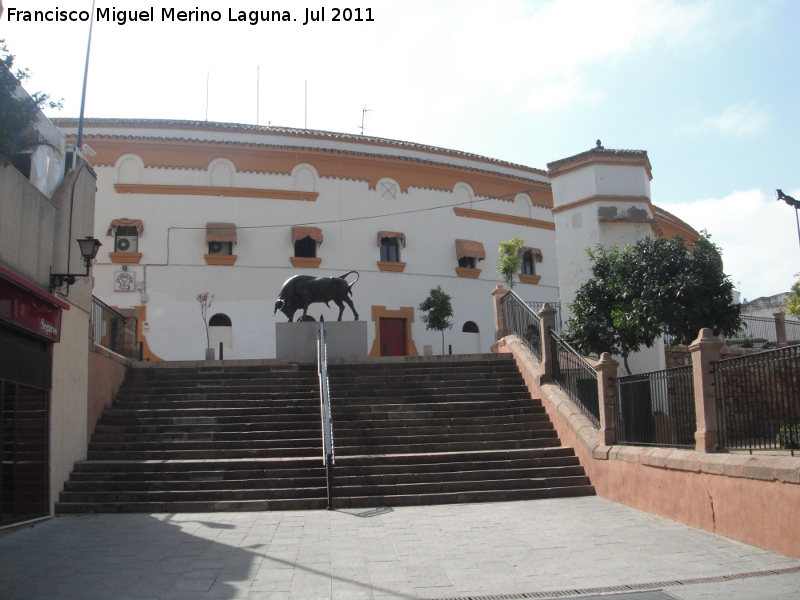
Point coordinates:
[(345, 339)]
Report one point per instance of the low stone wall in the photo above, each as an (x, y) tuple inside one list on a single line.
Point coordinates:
[(753, 499), (106, 374)]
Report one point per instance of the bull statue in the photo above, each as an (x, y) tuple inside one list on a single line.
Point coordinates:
[(301, 291)]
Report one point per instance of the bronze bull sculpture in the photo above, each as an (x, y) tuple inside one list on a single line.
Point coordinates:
[(301, 291)]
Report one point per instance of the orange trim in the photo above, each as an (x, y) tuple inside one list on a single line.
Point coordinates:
[(131, 258), (500, 218), (394, 267), (147, 354), (526, 278), (329, 162), (381, 312), (591, 199), (304, 262), (220, 259), (209, 190), (470, 273)]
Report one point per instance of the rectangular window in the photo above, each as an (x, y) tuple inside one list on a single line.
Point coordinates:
[(528, 263), (466, 262), (390, 250), (305, 248)]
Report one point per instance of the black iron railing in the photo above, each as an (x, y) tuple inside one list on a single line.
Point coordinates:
[(108, 330), (524, 322), (755, 332), (758, 400), (576, 377), (537, 306), (792, 332), (656, 408)]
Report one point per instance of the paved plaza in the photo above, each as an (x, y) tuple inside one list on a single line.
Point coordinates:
[(538, 549)]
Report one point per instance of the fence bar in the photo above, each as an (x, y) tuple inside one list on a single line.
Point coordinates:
[(576, 377), (656, 408), (522, 321), (108, 330), (758, 400), (328, 456)]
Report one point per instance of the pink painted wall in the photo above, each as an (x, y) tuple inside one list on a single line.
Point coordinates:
[(761, 512), (106, 374)]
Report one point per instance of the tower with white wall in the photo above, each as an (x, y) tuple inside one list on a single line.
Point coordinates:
[(601, 197)]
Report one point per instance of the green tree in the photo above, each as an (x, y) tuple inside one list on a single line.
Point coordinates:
[(793, 301), (437, 310), (18, 114), (510, 261), (653, 287)]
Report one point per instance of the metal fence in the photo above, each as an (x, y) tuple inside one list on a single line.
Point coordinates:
[(524, 322), (537, 306), (756, 332), (758, 400), (792, 332), (108, 330), (656, 408), (576, 377)]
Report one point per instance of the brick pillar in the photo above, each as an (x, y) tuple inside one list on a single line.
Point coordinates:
[(606, 370), (780, 328), (548, 316), (500, 323), (705, 350)]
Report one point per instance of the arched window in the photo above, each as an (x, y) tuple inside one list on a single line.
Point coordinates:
[(470, 327), (306, 248), (220, 320)]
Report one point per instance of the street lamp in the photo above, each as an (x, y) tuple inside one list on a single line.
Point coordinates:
[(791, 202), (89, 247)]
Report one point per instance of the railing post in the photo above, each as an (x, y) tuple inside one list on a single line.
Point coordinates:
[(606, 370), (706, 349), (780, 328), (500, 320), (547, 314)]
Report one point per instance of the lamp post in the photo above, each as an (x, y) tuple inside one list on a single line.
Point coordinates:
[(791, 202), (89, 247)]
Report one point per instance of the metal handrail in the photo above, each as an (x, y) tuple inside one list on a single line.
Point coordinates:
[(571, 372), (328, 454), (522, 320)]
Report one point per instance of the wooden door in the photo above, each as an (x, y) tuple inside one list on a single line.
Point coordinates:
[(393, 337)]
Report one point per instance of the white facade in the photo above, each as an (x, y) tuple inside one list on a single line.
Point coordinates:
[(173, 178)]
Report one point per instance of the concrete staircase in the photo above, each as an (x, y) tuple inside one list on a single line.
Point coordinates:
[(411, 431)]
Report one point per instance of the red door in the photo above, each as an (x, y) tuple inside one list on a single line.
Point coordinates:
[(393, 337)]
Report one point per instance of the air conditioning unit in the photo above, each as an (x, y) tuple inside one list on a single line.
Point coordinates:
[(127, 243), (219, 248)]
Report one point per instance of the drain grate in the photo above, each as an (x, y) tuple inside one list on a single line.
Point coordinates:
[(633, 591)]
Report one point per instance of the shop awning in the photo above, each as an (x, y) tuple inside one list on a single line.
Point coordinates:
[(300, 233), (468, 248), (221, 232), (400, 237), (126, 223)]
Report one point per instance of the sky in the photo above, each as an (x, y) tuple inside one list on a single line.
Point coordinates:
[(711, 89)]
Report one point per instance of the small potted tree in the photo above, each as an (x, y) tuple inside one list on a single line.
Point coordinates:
[(437, 310), (205, 300)]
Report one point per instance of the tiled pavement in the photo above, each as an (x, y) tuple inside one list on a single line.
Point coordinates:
[(434, 552)]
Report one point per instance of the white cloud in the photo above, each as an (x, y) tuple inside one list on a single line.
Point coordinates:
[(757, 234), (736, 120)]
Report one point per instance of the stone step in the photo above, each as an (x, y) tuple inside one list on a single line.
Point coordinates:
[(75, 508)]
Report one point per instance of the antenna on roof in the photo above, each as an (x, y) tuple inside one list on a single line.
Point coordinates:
[(305, 122), (208, 76), (364, 112)]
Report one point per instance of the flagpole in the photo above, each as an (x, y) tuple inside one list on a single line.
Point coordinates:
[(79, 144)]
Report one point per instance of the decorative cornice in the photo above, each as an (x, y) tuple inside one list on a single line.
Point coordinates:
[(469, 273), (209, 190), (227, 260), (526, 278), (501, 218), (130, 258), (393, 267), (600, 156), (600, 198), (304, 262)]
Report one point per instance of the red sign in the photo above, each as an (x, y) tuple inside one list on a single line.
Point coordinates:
[(28, 311)]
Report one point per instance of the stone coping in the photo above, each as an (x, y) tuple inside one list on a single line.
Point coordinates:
[(784, 469), (103, 351)]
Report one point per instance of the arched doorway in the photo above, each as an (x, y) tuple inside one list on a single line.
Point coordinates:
[(472, 339), (220, 331)]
